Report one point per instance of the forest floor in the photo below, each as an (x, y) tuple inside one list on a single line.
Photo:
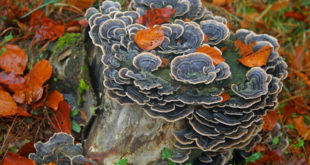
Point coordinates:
[(27, 28)]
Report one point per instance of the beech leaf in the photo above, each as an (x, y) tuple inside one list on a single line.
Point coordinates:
[(270, 120), (149, 39), (60, 119), (214, 53), (14, 59), (53, 99), (155, 16), (258, 58), (8, 107)]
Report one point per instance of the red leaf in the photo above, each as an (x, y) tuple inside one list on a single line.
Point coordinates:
[(12, 81), (60, 119), (15, 159), (149, 39), (295, 15), (270, 120), (53, 99), (214, 53), (156, 16), (14, 59), (27, 149)]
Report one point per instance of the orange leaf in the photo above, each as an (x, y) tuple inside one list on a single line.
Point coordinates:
[(245, 49), (40, 73), (53, 99), (44, 27), (60, 119), (8, 106), (258, 58), (270, 120), (14, 59), (15, 159), (31, 94), (213, 52), (225, 96), (13, 81), (276, 156), (51, 163), (155, 16), (302, 129), (149, 39)]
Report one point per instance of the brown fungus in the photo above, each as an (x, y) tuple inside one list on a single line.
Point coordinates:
[(189, 87)]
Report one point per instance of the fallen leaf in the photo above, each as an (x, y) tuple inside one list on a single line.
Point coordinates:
[(155, 16), (221, 2), (31, 94), (245, 49), (15, 159), (8, 107), (13, 81), (14, 59), (149, 39), (259, 148), (27, 149), (51, 163), (44, 27), (258, 58), (213, 52), (41, 72), (60, 119), (295, 15), (53, 99), (302, 129), (225, 96), (270, 120)]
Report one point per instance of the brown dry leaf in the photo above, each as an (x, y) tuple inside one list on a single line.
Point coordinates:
[(149, 39), (8, 107), (31, 94), (53, 99), (27, 149), (270, 120), (302, 129), (15, 159), (60, 119), (14, 59), (214, 53), (258, 58)]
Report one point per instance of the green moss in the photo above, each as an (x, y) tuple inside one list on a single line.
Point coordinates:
[(67, 40)]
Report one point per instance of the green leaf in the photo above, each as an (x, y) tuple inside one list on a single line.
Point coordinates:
[(275, 140), (8, 38), (291, 126), (166, 153), (2, 50), (93, 111), (171, 163), (254, 157), (122, 162), (74, 112), (75, 126), (299, 144)]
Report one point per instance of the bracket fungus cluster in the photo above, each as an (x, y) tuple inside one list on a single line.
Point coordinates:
[(59, 149), (206, 81)]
